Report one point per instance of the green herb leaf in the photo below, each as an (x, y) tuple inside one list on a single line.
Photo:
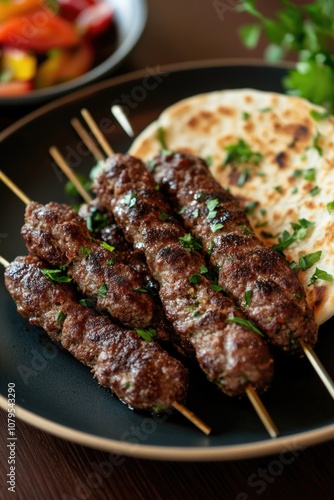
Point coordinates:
[(248, 297), (216, 227), (217, 288), (61, 317), (195, 278), (87, 303), (321, 275), (102, 291), (307, 261), (56, 275), (85, 250), (108, 247), (318, 115), (147, 334), (246, 323), (130, 199), (330, 207), (240, 153), (190, 243)]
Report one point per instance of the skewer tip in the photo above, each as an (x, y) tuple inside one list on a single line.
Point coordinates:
[(262, 412), (194, 419)]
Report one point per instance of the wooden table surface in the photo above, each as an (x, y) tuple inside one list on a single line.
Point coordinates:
[(52, 468)]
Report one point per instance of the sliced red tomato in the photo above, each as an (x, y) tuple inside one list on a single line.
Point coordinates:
[(40, 31), (95, 19), (12, 89), (70, 9), (66, 65)]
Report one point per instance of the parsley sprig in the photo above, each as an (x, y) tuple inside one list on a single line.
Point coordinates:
[(307, 30)]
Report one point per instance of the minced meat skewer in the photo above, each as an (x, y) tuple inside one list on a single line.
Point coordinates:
[(102, 225), (258, 278), (231, 355), (139, 372), (55, 233)]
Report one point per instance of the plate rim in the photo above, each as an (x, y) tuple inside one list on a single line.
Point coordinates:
[(160, 452)]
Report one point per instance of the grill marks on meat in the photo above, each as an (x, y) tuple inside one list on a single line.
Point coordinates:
[(59, 236), (277, 302), (140, 373), (231, 356)]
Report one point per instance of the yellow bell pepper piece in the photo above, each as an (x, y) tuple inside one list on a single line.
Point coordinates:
[(20, 65), (13, 8)]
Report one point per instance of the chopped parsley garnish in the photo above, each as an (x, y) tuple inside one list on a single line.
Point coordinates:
[(299, 233), (309, 174), (211, 247), (314, 190), (195, 278), (163, 216), (278, 189), (243, 177), (330, 207), (265, 110), (246, 323), (85, 250), (161, 136), (209, 161), (318, 115), (182, 210), (248, 297), (297, 296), (61, 317), (212, 204), (130, 199), (56, 275), (250, 207), (195, 213), (321, 275), (110, 262), (86, 303), (245, 115), (216, 227), (141, 290), (108, 247), (96, 220), (315, 143), (190, 243), (203, 270), (151, 165), (307, 261), (147, 334), (217, 288), (240, 152), (102, 291)]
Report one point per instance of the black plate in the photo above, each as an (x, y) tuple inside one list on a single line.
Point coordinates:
[(57, 393)]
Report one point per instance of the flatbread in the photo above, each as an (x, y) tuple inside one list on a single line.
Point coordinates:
[(288, 180)]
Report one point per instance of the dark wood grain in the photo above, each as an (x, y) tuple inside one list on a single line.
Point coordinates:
[(52, 468)]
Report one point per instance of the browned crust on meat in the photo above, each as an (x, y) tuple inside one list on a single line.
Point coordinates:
[(278, 302), (198, 313)]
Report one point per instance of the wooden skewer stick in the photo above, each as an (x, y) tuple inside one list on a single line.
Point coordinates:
[(262, 412), (319, 367), (16, 190), (4, 262), (97, 132), (122, 119), (88, 141), (192, 418), (60, 160)]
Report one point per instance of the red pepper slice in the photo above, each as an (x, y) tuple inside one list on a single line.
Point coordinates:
[(40, 31)]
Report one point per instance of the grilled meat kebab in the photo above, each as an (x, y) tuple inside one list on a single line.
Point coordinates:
[(55, 233), (139, 372), (258, 278), (231, 352)]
